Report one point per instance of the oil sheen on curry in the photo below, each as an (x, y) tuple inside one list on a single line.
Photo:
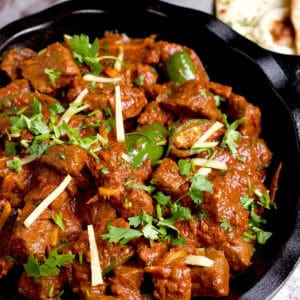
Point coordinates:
[(126, 173)]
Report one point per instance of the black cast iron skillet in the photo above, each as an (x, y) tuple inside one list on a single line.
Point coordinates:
[(266, 80)]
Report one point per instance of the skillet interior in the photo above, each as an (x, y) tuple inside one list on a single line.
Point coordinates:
[(226, 64)]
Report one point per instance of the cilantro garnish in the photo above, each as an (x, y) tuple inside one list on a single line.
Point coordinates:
[(122, 235), (185, 167), (52, 75), (15, 164), (139, 81), (255, 232), (231, 134), (58, 219), (199, 184), (10, 148), (50, 266), (225, 224), (148, 189), (86, 53), (153, 229)]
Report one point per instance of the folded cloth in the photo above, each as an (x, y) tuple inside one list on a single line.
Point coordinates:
[(12, 10)]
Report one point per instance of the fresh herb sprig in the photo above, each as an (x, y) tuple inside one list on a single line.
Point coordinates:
[(50, 266)]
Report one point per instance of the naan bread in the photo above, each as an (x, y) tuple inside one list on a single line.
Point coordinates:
[(266, 22), (295, 18)]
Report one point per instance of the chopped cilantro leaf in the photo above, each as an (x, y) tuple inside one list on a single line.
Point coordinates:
[(231, 134), (184, 167), (52, 75), (148, 189), (246, 201), (225, 224), (58, 219), (15, 164), (50, 266), (162, 199), (122, 235), (86, 53), (199, 184), (56, 108), (263, 236), (139, 81), (37, 148), (10, 148), (36, 107)]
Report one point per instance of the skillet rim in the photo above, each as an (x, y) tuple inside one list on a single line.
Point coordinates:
[(256, 54)]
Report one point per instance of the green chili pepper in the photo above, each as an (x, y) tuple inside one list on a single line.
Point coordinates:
[(180, 67), (147, 142)]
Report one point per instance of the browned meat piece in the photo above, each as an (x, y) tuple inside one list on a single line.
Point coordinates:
[(150, 255), (154, 113), (34, 239), (126, 282), (188, 230), (46, 288), (255, 158), (13, 185), (224, 201), (192, 98), (238, 254), (211, 281), (141, 75), (56, 58), (171, 277), (133, 100), (99, 214), (133, 203), (186, 135), (168, 179), (219, 89), (66, 159), (134, 49), (81, 282), (111, 255), (44, 181), (238, 107), (17, 87), (13, 61)]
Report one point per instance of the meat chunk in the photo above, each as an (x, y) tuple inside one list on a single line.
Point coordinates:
[(133, 203), (17, 87), (238, 253), (133, 100), (81, 282), (150, 255), (139, 74), (46, 288), (56, 58), (192, 98), (134, 49), (111, 255), (154, 113), (211, 281), (224, 201), (126, 282), (66, 159), (238, 107), (171, 277), (13, 61), (34, 239), (168, 179)]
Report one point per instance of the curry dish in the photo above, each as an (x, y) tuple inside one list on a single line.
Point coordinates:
[(126, 173)]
